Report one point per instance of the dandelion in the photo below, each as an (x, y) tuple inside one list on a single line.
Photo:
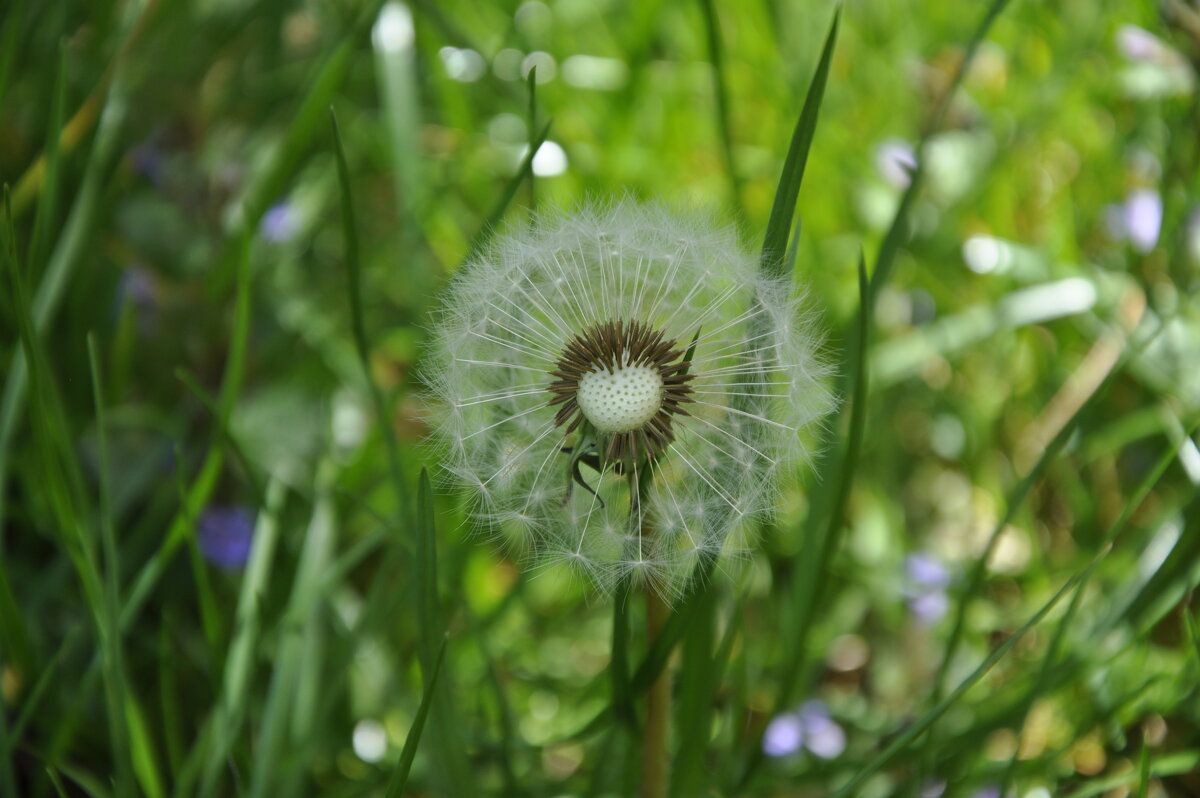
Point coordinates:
[(621, 389)]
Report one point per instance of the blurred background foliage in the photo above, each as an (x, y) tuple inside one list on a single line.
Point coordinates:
[(210, 592)]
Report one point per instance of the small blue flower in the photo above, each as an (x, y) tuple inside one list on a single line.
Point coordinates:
[(896, 159), (280, 223), (784, 735), (225, 535), (809, 727), (927, 579), (1143, 219), (926, 570), (1137, 220)]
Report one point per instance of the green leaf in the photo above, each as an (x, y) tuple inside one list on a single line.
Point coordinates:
[(524, 172), (404, 765), (904, 739), (780, 223), (814, 565), (354, 286), (721, 112)]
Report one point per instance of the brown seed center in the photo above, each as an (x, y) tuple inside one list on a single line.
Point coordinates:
[(628, 381)]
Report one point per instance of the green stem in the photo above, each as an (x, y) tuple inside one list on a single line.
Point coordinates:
[(655, 770)]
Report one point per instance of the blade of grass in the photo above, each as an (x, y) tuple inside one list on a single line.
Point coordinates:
[(298, 660), (354, 286), (904, 739), (712, 30), (453, 769), (1043, 677), (10, 43), (31, 701), (409, 752), (52, 774), (239, 663), (210, 617), (1168, 765), (1191, 630), (63, 259), (47, 201), (898, 231), (524, 172), (205, 481), (223, 430), (783, 210), (145, 762), (531, 125), (1143, 771), (698, 678), (63, 483), (14, 634), (814, 567), (397, 68), (141, 767), (622, 696), (95, 106), (171, 726), (1014, 501)]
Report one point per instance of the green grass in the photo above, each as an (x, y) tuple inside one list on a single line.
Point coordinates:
[(213, 297)]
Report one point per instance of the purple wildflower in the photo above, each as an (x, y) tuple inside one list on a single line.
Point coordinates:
[(822, 735), (926, 570), (225, 535), (809, 727), (895, 160), (927, 579), (784, 735), (1143, 218), (1138, 44), (280, 223), (1137, 220)]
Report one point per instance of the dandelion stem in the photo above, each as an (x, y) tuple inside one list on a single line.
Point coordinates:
[(655, 774)]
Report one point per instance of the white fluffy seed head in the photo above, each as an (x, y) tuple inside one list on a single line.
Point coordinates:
[(621, 400), (758, 389)]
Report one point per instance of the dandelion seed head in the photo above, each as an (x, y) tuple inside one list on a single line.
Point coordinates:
[(619, 389)]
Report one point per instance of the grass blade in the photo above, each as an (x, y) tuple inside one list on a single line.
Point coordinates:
[(712, 30), (898, 231), (622, 695), (354, 286), (205, 482), (1042, 679), (814, 568), (47, 203), (450, 761), (298, 661), (903, 740), (779, 225), (404, 765), (524, 172), (698, 678), (531, 125), (231, 709)]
